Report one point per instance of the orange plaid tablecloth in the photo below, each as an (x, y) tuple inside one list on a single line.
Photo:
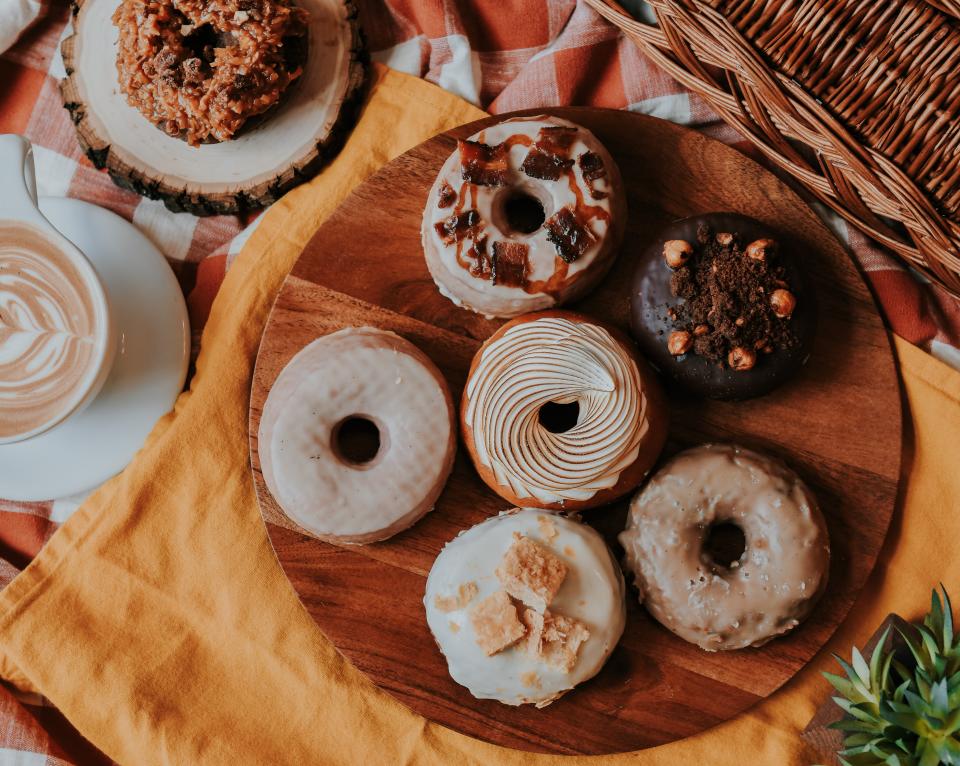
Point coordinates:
[(508, 55)]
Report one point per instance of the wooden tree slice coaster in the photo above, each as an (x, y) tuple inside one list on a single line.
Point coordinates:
[(837, 423), (284, 148)]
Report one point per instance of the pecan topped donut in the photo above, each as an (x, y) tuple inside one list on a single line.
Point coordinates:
[(525, 215), (200, 69)]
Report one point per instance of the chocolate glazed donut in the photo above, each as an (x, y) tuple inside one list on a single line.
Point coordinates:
[(653, 302)]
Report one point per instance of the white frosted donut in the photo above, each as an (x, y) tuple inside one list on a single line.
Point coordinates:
[(560, 358), (465, 574), (769, 589), (527, 214), (372, 384)]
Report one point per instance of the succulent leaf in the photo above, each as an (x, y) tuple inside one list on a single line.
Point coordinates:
[(902, 708)]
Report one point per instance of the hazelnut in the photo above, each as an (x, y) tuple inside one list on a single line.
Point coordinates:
[(783, 303), (701, 329), (759, 249), (724, 239), (677, 252), (741, 359), (739, 321), (679, 342)]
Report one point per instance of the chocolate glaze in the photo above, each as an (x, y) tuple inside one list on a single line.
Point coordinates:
[(651, 298)]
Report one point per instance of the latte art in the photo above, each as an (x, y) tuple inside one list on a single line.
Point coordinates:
[(50, 331), (556, 360)]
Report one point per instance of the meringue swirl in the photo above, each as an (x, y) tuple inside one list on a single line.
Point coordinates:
[(554, 359), (48, 330)]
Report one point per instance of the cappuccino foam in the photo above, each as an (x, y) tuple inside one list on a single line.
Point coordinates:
[(50, 333)]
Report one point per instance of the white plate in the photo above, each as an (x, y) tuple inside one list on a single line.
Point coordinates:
[(147, 375)]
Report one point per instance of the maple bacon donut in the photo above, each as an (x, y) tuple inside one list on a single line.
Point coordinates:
[(357, 436), (559, 412), (765, 585), (527, 214)]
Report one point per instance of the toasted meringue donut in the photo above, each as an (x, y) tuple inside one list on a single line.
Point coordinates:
[(765, 592), (357, 436), (465, 574), (527, 214), (552, 363)]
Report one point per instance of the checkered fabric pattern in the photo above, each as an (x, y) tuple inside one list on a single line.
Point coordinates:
[(504, 55)]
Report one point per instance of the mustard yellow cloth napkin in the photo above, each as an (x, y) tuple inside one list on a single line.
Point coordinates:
[(159, 622)]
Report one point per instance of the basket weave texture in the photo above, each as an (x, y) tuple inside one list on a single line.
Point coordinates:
[(857, 99)]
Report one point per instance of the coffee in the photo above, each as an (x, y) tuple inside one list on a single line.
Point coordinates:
[(52, 330)]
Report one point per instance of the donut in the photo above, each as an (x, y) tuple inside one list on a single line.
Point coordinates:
[(525, 606), (720, 305), (200, 69), (698, 587), (527, 214), (559, 412), (357, 436)]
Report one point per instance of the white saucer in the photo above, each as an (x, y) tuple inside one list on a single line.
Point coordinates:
[(147, 375)]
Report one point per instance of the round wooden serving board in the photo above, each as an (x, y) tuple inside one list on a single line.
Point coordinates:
[(838, 424)]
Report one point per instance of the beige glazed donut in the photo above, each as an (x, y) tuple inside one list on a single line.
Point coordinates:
[(357, 436), (526, 215), (559, 412), (741, 601)]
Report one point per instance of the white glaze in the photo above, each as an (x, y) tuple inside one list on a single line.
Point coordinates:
[(593, 592), (554, 359), (378, 375), (481, 295), (780, 575)]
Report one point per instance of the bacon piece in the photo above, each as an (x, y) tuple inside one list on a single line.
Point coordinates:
[(459, 227), (482, 164), (593, 169), (482, 267), (569, 236), (550, 155), (510, 264), (447, 195)]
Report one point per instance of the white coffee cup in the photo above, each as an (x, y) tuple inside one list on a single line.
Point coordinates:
[(61, 288)]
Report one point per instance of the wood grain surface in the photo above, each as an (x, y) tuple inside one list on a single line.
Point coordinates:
[(838, 424)]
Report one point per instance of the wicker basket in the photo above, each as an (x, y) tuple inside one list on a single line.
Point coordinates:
[(857, 99)]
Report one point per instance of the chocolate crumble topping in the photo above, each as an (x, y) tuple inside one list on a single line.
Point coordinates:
[(482, 164), (727, 309), (549, 156), (568, 235)]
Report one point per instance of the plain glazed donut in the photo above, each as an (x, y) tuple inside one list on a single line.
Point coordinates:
[(525, 606), (344, 490), (526, 215), (769, 589), (547, 362)]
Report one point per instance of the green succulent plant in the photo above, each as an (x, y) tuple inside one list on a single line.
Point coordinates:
[(903, 708)]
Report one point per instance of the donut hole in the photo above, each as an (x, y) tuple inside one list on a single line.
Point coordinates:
[(356, 440), (203, 40), (519, 210), (724, 544), (559, 417)]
